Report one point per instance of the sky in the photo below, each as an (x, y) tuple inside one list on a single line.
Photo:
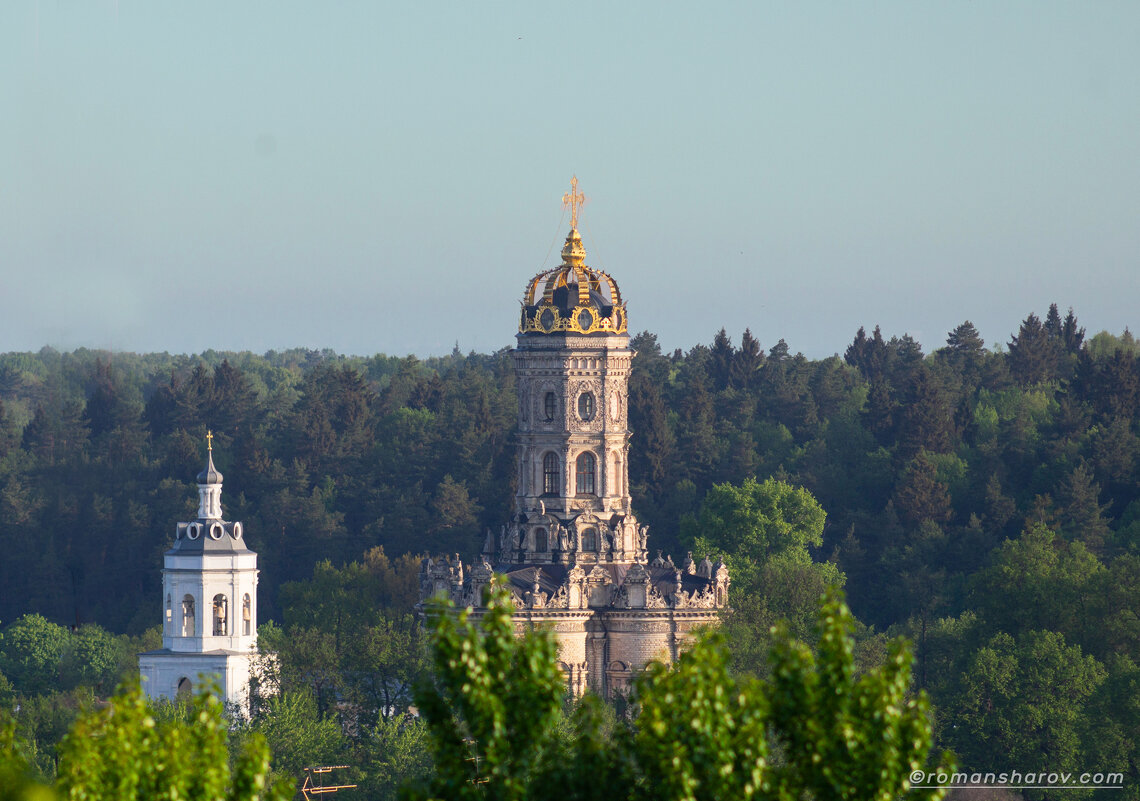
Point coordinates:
[(384, 177)]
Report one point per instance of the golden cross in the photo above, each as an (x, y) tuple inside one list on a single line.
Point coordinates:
[(209, 440), (574, 200)]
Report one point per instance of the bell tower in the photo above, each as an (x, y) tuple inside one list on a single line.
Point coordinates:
[(209, 593)]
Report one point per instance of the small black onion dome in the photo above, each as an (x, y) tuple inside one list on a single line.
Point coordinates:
[(211, 474)]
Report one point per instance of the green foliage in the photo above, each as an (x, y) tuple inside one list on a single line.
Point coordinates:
[(394, 753), (697, 731), (754, 522), (17, 777), (491, 711), (1024, 698), (121, 751), (351, 637), (846, 736), (701, 734), (297, 737), (30, 655), (92, 657)]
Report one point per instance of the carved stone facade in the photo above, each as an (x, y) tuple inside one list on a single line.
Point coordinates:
[(575, 557)]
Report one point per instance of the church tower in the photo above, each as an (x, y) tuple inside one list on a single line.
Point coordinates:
[(572, 363), (209, 593), (574, 555)]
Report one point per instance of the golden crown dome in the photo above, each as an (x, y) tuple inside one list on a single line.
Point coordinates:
[(573, 298)]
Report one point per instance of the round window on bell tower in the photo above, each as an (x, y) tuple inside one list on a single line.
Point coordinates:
[(586, 406)]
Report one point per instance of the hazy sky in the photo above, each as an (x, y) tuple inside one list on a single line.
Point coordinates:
[(384, 177)]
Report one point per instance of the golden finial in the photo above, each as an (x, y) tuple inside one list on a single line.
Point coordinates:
[(209, 440), (574, 200)]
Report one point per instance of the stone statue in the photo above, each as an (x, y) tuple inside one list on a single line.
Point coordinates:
[(563, 539), (643, 537), (514, 539)]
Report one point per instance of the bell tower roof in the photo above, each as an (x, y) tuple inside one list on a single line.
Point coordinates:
[(209, 533), (210, 474)]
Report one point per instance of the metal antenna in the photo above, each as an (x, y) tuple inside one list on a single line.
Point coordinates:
[(308, 789)]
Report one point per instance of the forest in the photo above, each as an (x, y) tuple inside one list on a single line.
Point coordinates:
[(982, 502)]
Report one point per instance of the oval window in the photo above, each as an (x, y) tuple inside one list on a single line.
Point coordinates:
[(586, 406)]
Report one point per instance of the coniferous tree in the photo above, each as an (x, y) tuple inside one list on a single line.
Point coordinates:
[(1033, 353), (1053, 322), (746, 362), (1081, 515), (722, 353), (921, 496), (926, 421), (1072, 336)]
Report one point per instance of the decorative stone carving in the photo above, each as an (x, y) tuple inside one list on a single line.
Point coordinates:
[(654, 599), (615, 406)]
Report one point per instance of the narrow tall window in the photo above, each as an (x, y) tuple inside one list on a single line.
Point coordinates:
[(221, 616), (550, 474), (551, 404), (585, 469), (590, 539), (540, 540), (188, 616), (246, 615), (169, 614)]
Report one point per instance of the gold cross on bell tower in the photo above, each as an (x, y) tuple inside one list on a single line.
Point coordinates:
[(573, 200), (209, 440)]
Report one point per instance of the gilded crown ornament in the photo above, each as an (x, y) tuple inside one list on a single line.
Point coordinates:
[(573, 298)]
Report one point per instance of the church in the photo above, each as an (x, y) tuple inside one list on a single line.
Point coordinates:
[(209, 588), (573, 552)]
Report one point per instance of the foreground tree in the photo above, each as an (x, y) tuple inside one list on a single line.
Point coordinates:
[(491, 712), (122, 752), (130, 752), (697, 731)]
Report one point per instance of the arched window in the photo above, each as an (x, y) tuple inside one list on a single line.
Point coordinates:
[(246, 614), (184, 687), (589, 539), (541, 543), (221, 616), (188, 627), (585, 469), (586, 406), (550, 474), (551, 406)]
